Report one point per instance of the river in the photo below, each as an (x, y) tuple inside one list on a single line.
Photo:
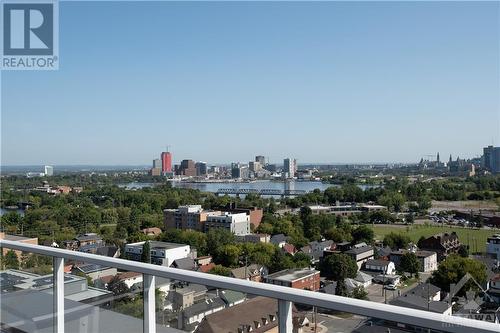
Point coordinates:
[(306, 185)]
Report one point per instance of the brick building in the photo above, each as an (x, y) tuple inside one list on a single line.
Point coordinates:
[(307, 279), (443, 244)]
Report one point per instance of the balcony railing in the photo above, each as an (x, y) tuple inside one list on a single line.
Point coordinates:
[(284, 295)]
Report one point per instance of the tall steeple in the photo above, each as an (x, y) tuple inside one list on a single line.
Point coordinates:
[(437, 159)]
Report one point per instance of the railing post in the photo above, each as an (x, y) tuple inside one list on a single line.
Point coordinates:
[(285, 316), (149, 303), (58, 279)]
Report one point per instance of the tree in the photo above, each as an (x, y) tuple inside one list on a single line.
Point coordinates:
[(463, 251), (229, 255), (396, 240), (363, 234), (338, 235), (454, 268), (280, 261), (359, 293), (11, 261), (302, 260), (117, 286), (220, 270), (216, 239), (146, 252), (424, 203), (338, 267), (410, 263), (341, 288)]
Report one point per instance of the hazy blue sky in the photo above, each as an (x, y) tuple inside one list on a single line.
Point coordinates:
[(221, 82)]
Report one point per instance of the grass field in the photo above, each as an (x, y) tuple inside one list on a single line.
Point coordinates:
[(475, 238)]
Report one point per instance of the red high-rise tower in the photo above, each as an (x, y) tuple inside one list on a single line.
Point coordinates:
[(166, 162)]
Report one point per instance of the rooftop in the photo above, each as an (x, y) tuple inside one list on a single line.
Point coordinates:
[(155, 245), (259, 309), (292, 274), (420, 303)]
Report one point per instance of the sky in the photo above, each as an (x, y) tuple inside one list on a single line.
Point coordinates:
[(324, 82)]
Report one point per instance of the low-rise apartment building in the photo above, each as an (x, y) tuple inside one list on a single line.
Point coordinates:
[(238, 224), (162, 253), (360, 253), (187, 217), (428, 259)]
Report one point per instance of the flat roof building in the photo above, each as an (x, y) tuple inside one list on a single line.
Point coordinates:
[(238, 224), (307, 279), (162, 253)]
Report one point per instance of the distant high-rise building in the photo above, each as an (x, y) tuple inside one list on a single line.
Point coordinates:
[(166, 162), (187, 168), (261, 159), (289, 167), (239, 170), (201, 168), (48, 170), (255, 166), (491, 159), (157, 163)]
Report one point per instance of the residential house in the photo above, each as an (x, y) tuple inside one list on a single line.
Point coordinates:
[(422, 303), (382, 266), (93, 271), (188, 264), (289, 248), (108, 251), (190, 317), (253, 272), (231, 297), (427, 291), (88, 242), (132, 280), (278, 240), (443, 244), (258, 314), (315, 249), (151, 231), (186, 296), (254, 238)]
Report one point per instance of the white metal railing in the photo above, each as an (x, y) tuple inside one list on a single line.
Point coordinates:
[(286, 296)]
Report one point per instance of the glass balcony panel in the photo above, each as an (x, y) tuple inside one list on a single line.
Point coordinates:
[(104, 299), (27, 302)]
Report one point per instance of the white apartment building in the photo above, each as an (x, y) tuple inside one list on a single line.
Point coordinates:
[(238, 224), (162, 253)]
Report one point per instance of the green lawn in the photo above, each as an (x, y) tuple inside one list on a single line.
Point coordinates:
[(471, 237)]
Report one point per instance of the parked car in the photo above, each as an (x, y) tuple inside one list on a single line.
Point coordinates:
[(390, 287)]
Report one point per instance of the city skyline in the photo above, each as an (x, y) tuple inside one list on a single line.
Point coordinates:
[(322, 82)]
